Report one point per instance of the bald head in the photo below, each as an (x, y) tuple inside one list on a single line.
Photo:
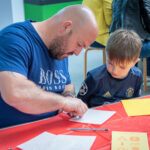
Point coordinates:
[(77, 12), (68, 31), (80, 16)]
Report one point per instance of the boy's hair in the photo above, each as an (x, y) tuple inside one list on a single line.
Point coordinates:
[(123, 46)]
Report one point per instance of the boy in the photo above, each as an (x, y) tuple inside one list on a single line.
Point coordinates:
[(118, 78)]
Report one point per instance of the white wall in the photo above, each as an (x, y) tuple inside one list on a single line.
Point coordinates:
[(76, 66), (11, 11), (17, 10)]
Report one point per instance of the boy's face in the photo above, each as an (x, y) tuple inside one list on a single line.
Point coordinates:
[(119, 71)]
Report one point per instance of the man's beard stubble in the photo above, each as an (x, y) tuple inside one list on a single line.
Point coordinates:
[(56, 49), (58, 46)]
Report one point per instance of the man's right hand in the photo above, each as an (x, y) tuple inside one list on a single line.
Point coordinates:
[(74, 106)]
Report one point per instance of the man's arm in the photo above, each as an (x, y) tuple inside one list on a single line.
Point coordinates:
[(145, 12), (21, 93)]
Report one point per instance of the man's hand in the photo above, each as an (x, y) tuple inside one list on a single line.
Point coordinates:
[(74, 106)]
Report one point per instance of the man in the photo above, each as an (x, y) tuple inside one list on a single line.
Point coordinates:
[(34, 65)]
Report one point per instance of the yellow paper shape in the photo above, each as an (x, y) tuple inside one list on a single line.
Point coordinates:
[(129, 141), (137, 107)]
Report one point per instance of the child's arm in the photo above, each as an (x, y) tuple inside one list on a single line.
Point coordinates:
[(137, 92), (87, 89)]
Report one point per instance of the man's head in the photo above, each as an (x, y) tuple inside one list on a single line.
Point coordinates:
[(122, 52), (75, 29)]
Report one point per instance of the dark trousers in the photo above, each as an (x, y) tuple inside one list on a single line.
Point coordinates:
[(145, 53)]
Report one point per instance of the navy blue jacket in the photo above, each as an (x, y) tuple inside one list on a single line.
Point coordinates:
[(132, 15)]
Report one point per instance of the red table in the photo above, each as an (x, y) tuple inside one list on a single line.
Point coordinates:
[(14, 136)]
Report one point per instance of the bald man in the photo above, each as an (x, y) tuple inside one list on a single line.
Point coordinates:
[(34, 78)]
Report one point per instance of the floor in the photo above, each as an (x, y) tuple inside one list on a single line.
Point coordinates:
[(76, 67)]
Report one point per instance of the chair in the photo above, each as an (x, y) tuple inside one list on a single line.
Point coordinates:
[(104, 61), (145, 74), (85, 57)]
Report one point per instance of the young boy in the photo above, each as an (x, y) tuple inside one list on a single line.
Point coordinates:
[(118, 78)]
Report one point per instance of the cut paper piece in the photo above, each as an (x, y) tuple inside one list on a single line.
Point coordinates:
[(129, 141), (71, 142), (48, 141), (94, 116), (137, 107), (39, 142)]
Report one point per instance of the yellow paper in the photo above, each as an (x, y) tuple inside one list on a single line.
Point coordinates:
[(137, 107), (129, 141)]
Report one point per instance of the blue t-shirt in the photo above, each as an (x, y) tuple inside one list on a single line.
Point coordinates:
[(101, 88), (23, 51)]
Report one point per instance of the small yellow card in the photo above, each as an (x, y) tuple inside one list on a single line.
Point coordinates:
[(129, 141), (137, 107)]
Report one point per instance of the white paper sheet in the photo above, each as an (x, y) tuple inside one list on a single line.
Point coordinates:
[(48, 141), (39, 142), (94, 116), (70, 142)]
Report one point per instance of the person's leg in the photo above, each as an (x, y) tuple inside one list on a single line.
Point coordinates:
[(96, 44), (148, 67), (145, 53)]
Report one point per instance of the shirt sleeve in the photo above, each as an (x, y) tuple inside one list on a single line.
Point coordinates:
[(107, 11), (87, 89), (145, 13), (13, 56)]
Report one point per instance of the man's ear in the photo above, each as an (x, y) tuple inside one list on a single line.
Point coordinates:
[(66, 27)]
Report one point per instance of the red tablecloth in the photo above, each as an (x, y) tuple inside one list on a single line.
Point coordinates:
[(14, 136)]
